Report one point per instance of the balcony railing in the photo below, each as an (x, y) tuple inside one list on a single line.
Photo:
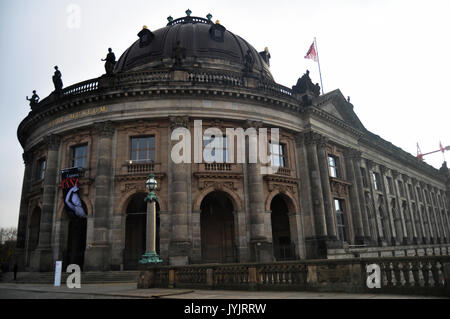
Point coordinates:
[(218, 167), (140, 167)]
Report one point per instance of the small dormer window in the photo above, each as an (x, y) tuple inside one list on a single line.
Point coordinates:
[(217, 32), (145, 37)]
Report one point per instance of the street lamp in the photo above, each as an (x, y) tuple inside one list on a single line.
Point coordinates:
[(150, 256)]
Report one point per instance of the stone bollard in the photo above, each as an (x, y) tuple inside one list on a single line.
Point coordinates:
[(210, 278), (252, 279), (146, 279), (171, 278)]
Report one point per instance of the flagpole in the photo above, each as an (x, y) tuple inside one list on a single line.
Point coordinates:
[(318, 63)]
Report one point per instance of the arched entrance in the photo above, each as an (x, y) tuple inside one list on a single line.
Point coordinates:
[(217, 228), (76, 241), (33, 230), (135, 231), (283, 247)]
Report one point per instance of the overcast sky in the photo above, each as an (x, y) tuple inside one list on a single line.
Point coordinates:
[(391, 57)]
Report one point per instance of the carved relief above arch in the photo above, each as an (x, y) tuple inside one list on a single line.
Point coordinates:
[(218, 186), (291, 202)]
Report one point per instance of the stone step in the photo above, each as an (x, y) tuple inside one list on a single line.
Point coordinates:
[(86, 277)]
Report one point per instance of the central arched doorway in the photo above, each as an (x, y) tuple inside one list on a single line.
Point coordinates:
[(217, 228), (135, 231), (76, 241), (283, 248)]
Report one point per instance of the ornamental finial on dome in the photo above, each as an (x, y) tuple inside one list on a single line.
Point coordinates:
[(188, 12), (170, 19)]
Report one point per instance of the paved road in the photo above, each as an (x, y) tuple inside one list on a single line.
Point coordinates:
[(129, 290)]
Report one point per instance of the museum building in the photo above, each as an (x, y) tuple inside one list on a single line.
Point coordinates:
[(340, 190)]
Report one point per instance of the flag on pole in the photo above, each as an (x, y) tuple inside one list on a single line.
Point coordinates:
[(312, 53), (441, 147)]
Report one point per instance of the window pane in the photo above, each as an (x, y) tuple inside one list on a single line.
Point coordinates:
[(143, 148)]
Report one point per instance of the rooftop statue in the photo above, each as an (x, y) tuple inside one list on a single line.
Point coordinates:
[(179, 53), (34, 100), (304, 85), (57, 81), (248, 62), (265, 55), (110, 62)]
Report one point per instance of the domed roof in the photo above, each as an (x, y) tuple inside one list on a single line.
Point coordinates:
[(202, 43)]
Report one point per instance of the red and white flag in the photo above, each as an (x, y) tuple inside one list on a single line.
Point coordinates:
[(311, 54), (441, 147)]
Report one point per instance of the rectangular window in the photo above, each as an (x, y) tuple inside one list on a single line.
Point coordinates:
[(376, 181), (79, 156), (278, 154), (40, 169), (419, 195), (364, 177), (143, 149), (389, 184), (410, 191), (339, 207), (401, 188), (210, 156), (333, 164)]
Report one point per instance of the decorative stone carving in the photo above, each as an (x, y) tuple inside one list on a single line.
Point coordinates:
[(52, 141), (217, 185), (105, 129), (339, 187), (370, 164), (314, 138), (352, 153), (27, 158), (178, 121), (395, 173)]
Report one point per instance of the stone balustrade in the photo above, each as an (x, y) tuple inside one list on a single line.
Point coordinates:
[(426, 275)]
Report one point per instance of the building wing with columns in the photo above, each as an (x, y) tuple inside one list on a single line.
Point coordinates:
[(340, 191)]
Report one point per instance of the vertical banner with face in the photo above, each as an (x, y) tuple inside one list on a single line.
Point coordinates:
[(72, 201)]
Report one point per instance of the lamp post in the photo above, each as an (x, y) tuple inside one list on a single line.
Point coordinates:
[(150, 256)]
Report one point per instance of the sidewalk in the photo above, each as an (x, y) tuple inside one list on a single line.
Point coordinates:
[(129, 290)]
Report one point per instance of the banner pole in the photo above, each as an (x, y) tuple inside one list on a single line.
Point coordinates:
[(318, 63)]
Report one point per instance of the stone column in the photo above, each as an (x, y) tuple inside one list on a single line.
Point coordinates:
[(316, 245), (23, 210), (442, 215), (261, 249), (420, 227), (179, 179), (305, 218), (398, 219), (429, 226), (330, 215), (362, 200), (42, 256), (97, 256), (375, 219), (410, 220), (350, 155), (391, 232)]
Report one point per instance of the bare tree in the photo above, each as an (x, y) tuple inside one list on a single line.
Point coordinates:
[(8, 234)]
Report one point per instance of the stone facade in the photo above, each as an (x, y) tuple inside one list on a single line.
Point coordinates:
[(388, 198)]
